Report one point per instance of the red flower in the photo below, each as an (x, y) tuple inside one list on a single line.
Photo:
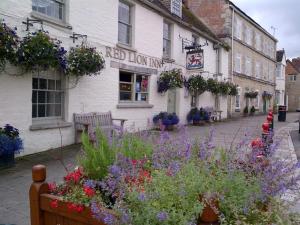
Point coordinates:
[(79, 208), (89, 191), (52, 187), (74, 176), (54, 203)]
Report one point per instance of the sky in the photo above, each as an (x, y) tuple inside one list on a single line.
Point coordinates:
[(284, 15)]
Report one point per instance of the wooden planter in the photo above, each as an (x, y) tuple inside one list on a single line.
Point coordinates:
[(40, 211)]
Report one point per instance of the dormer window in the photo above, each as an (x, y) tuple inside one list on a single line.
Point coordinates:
[(176, 7)]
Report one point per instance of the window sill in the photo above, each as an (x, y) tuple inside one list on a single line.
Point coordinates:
[(46, 126), (50, 20), (167, 59), (133, 105), (237, 110), (127, 47)]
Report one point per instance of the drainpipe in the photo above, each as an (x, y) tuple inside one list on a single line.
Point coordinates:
[(217, 73), (232, 58)]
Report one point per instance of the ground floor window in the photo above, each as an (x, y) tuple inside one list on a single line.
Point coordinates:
[(47, 97), (238, 99), (133, 87)]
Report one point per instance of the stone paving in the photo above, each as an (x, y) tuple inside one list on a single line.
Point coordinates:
[(15, 182)]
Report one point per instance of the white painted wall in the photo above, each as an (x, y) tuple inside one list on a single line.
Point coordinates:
[(98, 20), (280, 80)]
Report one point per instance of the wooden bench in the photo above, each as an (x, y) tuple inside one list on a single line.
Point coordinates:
[(215, 115), (90, 121)]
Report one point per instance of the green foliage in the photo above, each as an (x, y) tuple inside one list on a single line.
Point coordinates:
[(252, 110), (213, 86), (8, 44), (170, 79), (84, 61), (134, 146), (97, 160), (246, 110), (224, 88), (196, 84), (233, 89), (177, 196), (251, 94), (38, 51)]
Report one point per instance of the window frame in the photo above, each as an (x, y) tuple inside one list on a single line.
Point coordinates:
[(293, 78), (258, 69), (248, 65), (129, 26), (167, 39), (133, 92), (238, 97), (258, 42), (175, 12), (63, 3), (238, 56), (57, 77), (238, 28)]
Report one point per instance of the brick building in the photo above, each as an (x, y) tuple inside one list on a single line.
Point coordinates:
[(252, 58), (292, 84)]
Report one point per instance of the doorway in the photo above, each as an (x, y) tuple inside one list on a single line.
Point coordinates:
[(171, 108)]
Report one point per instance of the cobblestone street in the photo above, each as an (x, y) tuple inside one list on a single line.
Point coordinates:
[(15, 182)]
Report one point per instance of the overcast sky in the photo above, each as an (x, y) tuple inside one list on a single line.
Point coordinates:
[(284, 15)]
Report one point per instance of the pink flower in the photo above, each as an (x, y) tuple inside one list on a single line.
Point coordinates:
[(54, 203), (52, 187), (90, 192)]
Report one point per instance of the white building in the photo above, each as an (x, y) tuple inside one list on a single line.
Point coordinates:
[(134, 36), (280, 78)]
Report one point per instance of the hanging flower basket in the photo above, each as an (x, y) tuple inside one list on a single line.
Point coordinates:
[(169, 80), (38, 51), (10, 144), (224, 88), (196, 85), (233, 91), (213, 86), (84, 60), (251, 94), (267, 95), (8, 44)]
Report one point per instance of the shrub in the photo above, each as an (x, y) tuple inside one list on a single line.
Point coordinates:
[(169, 80), (97, 160), (8, 44), (38, 51), (252, 110), (166, 118), (197, 115), (246, 110), (10, 142), (84, 61), (213, 86), (196, 85)]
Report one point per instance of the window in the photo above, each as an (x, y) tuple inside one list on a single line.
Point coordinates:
[(258, 70), (258, 42), (271, 72), (47, 97), (238, 63), (238, 99), (125, 27), (248, 35), (238, 28), (256, 101), (248, 66), (293, 77), (167, 40), (265, 71), (278, 71), (51, 8), (133, 87), (176, 7)]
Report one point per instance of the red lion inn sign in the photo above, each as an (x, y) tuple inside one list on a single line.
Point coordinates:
[(194, 60)]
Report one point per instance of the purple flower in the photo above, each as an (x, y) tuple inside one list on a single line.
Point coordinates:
[(90, 183), (142, 197), (162, 216)]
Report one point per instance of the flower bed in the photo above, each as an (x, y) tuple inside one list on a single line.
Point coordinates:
[(171, 180), (165, 121)]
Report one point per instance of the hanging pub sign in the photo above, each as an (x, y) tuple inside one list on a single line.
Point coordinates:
[(194, 60)]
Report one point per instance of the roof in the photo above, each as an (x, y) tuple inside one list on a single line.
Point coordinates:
[(290, 69), (279, 55), (253, 21), (296, 63), (189, 18)]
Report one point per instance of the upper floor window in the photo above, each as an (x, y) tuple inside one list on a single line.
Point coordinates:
[(293, 77), (258, 70), (238, 63), (125, 26), (176, 7), (258, 42), (167, 40), (248, 35), (238, 28), (271, 73), (278, 71), (51, 8), (248, 66)]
